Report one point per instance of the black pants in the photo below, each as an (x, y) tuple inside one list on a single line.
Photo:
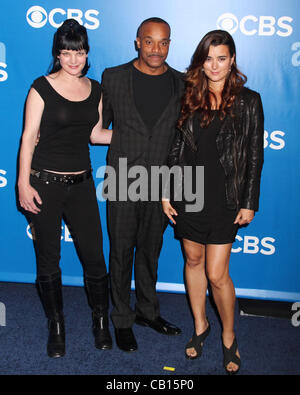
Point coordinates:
[(77, 204), (139, 226)]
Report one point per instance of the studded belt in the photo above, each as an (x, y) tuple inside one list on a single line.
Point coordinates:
[(69, 179)]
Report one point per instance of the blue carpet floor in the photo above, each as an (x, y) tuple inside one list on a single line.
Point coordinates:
[(268, 346)]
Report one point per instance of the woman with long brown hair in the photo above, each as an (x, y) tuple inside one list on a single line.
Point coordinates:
[(220, 128)]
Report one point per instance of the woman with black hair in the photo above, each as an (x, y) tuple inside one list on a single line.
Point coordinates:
[(55, 180), (220, 128)]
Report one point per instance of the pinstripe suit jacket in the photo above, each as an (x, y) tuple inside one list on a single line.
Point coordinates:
[(131, 137)]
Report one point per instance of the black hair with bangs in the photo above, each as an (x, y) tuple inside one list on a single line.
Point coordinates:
[(70, 36)]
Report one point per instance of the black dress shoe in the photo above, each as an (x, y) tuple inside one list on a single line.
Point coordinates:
[(125, 339), (159, 324)]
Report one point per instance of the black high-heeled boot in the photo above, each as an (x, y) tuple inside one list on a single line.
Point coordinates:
[(50, 290), (98, 296)]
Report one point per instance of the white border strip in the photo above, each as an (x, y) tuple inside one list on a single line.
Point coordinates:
[(267, 294), (164, 287), (240, 292)]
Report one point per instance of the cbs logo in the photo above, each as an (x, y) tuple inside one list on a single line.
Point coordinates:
[(3, 180), (251, 25), (65, 235), (252, 245), (274, 140), (37, 17), (3, 65)]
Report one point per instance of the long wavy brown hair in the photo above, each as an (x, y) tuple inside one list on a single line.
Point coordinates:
[(197, 96)]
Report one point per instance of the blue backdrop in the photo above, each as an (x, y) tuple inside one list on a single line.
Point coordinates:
[(265, 259)]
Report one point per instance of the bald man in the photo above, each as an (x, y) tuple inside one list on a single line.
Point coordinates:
[(142, 101)]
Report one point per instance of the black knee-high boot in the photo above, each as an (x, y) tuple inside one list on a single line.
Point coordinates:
[(98, 296), (50, 290)]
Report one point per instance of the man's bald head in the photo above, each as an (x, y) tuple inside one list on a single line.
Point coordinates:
[(152, 20)]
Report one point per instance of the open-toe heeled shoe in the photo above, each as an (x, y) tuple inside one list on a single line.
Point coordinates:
[(230, 356), (197, 343)]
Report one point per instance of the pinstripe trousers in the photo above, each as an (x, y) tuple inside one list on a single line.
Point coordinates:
[(134, 227)]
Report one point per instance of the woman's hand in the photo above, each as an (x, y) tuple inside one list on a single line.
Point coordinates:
[(100, 135), (27, 195), (244, 216), (169, 210), (30, 138)]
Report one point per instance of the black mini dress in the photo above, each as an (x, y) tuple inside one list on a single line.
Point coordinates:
[(214, 224)]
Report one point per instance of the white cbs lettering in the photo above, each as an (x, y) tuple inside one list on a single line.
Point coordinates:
[(37, 17), (238, 249), (270, 249), (277, 142), (65, 235), (90, 16), (264, 25), (3, 65), (243, 22), (51, 17), (3, 73), (73, 14), (3, 180), (288, 28), (296, 55), (267, 26), (251, 245)]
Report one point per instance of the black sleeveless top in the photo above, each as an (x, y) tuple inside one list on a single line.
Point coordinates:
[(65, 129)]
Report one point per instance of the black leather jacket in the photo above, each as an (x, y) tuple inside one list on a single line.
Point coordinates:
[(241, 148)]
